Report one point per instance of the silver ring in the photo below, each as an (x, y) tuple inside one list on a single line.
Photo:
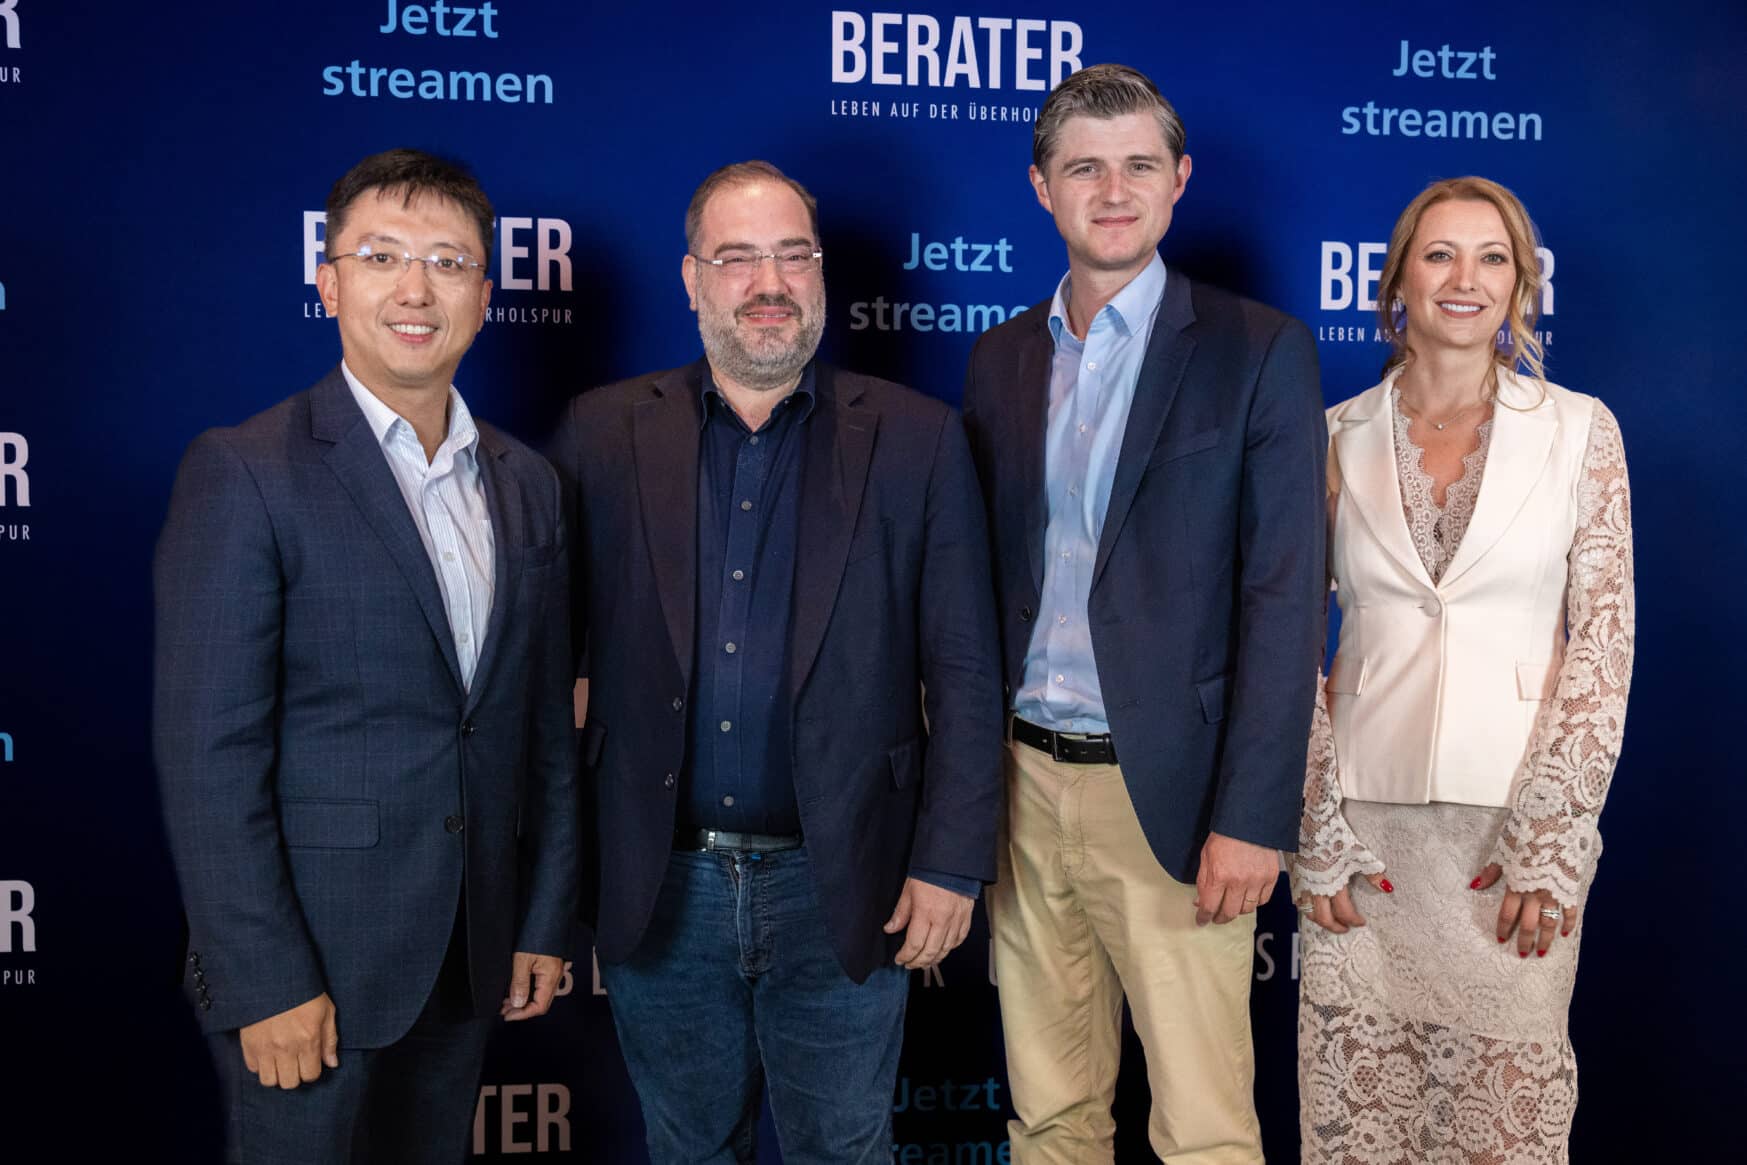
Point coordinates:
[(1307, 910), (1550, 913)]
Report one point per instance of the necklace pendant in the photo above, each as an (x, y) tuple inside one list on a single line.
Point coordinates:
[(1438, 427)]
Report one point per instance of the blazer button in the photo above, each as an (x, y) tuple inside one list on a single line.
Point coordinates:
[(668, 781), (1432, 608), (454, 823), (1025, 614), (678, 703), (467, 728)]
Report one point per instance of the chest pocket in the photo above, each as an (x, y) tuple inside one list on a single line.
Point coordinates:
[(1181, 447)]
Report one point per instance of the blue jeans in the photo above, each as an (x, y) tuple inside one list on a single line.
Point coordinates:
[(736, 983)]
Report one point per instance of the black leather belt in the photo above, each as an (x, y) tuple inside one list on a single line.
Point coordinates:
[(686, 838), (1074, 748)]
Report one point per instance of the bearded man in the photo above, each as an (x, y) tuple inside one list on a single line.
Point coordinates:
[(781, 567)]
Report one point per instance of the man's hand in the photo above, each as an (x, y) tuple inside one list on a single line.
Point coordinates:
[(938, 920), (290, 1048), (533, 982), (1235, 878)]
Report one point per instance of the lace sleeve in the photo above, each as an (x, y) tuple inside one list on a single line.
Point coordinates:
[(1550, 839), (1329, 852)]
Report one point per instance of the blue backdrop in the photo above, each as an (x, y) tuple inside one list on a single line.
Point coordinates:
[(162, 169)]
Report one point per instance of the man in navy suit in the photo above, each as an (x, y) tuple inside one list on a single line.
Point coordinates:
[(1151, 453), (363, 723), (784, 565)]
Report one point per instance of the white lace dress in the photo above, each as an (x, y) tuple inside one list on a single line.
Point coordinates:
[(1420, 1037)]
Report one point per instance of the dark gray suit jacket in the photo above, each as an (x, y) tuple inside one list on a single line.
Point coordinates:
[(330, 789), (891, 595), (1208, 591)]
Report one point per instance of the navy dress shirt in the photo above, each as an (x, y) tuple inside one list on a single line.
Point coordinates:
[(740, 774)]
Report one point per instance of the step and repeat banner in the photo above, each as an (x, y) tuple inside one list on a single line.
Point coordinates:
[(162, 173)]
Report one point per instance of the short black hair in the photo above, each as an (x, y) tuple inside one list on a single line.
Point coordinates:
[(411, 173)]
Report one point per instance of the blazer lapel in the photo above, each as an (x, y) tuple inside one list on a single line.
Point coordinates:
[(509, 540), (358, 461), (665, 438), (1161, 374), (1365, 451), (1030, 416), (835, 459), (1522, 442)]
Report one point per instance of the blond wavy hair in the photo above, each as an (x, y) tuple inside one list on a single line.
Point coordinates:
[(1522, 351)]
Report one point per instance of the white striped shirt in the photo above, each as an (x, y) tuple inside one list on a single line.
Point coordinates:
[(447, 500)]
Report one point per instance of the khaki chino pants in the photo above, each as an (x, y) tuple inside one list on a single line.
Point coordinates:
[(1083, 914)]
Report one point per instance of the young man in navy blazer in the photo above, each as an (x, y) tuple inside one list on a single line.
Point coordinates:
[(1151, 453), (362, 709), (780, 560)]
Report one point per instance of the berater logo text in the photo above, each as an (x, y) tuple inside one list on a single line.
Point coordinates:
[(1348, 281), (983, 52), (546, 1107), (9, 74)]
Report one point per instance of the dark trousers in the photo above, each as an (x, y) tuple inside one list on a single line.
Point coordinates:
[(736, 984), (410, 1102)]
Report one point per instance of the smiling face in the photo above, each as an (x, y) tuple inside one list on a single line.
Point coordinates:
[(1458, 277), (404, 331), (759, 329), (1110, 183)]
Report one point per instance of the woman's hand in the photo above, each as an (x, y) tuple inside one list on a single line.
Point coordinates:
[(1533, 916), (1336, 912)]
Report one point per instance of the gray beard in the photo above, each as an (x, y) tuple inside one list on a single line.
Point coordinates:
[(770, 365)]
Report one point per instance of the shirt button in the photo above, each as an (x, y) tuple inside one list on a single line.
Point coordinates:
[(1091, 366), (448, 556), (1060, 679), (1067, 555), (727, 726), (463, 638), (1061, 620), (1082, 427), (746, 505), (752, 440), (738, 575), (1073, 491), (728, 800), (729, 648)]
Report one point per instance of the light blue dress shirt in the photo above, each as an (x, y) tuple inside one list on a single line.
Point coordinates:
[(447, 501), (1091, 388)]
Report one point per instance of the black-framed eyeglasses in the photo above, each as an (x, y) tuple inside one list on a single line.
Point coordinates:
[(743, 264)]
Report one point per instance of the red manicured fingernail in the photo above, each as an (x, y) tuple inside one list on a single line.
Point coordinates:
[(1474, 885), (1503, 937), (1522, 954), (1564, 934), (1540, 954), (1387, 888)]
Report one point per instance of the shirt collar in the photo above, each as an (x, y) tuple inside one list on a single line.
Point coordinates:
[(463, 433), (802, 398), (1128, 313)]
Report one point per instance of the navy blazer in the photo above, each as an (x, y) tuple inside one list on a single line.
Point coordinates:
[(892, 599), (330, 788), (1207, 594)]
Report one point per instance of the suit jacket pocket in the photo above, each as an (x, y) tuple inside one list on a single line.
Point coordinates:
[(905, 764), (544, 554), (594, 736), (1180, 447), (870, 542), (1212, 693), (308, 823), (1346, 676)]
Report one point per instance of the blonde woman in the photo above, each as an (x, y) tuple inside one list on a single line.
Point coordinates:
[(1481, 551)]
